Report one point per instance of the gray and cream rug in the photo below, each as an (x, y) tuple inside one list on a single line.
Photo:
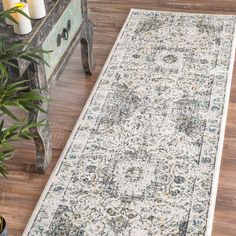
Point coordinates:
[(144, 157)]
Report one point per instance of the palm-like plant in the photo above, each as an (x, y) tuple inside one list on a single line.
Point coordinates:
[(15, 94)]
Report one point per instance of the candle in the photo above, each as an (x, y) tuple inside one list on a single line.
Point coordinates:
[(36, 9), (7, 4), (24, 24)]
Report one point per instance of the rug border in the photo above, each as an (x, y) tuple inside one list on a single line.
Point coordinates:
[(219, 155), (182, 12), (222, 133)]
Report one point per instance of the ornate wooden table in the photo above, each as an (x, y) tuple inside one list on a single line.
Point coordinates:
[(65, 25)]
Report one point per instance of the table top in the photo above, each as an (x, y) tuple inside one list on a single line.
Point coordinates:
[(41, 27)]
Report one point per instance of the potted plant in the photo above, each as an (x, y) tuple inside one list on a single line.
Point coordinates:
[(15, 95)]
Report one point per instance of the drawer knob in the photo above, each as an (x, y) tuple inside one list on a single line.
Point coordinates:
[(59, 40), (68, 25), (65, 34)]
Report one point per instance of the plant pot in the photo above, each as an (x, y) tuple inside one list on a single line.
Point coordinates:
[(4, 231)]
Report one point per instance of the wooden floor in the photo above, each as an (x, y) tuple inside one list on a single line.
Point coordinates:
[(20, 192)]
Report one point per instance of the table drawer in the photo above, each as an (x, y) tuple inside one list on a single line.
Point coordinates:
[(70, 22)]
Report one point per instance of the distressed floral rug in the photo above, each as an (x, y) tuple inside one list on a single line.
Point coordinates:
[(145, 154)]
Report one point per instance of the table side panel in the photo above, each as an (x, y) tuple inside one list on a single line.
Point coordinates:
[(73, 13)]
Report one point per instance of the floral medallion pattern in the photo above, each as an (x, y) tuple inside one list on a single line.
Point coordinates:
[(142, 160)]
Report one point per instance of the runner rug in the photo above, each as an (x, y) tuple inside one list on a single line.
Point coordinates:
[(144, 157)]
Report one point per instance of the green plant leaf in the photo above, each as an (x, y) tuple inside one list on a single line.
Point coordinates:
[(8, 112), (16, 84), (7, 14)]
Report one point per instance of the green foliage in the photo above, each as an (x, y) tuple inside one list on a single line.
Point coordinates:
[(14, 132), (15, 94), (9, 53)]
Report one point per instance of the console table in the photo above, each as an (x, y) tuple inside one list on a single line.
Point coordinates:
[(65, 25)]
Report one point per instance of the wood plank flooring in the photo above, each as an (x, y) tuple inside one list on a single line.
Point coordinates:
[(20, 192)]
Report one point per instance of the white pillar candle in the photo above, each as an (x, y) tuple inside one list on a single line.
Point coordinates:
[(24, 24), (7, 4), (36, 9)]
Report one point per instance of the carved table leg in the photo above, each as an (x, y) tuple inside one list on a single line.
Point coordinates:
[(42, 137), (87, 47)]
